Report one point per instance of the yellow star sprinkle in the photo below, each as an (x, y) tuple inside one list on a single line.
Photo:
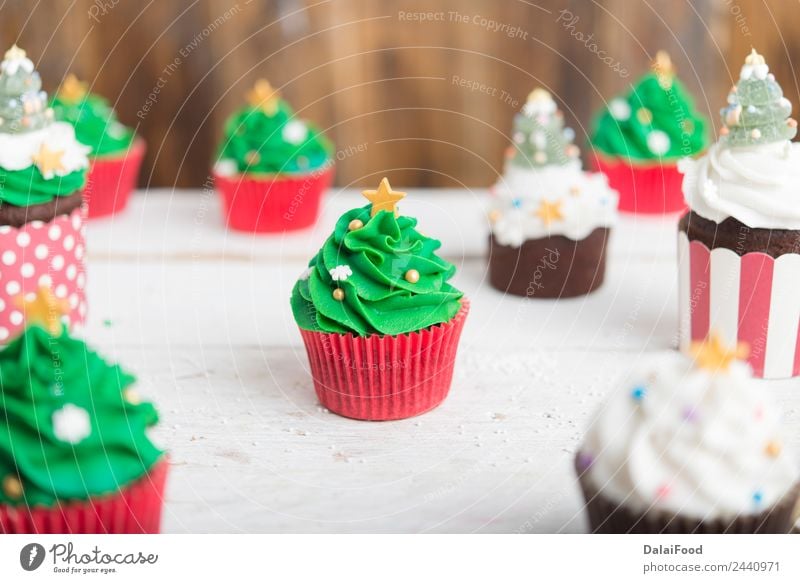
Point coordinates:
[(72, 90), (48, 161), (264, 97), (44, 310), (15, 53), (383, 199), (712, 355), (549, 212)]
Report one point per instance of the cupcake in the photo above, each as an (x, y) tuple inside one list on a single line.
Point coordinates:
[(739, 245), (116, 152), (272, 168), (689, 446), (639, 138), (549, 219), (378, 316), (74, 458), (42, 173)]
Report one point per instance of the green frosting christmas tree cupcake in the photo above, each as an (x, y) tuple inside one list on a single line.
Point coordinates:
[(639, 138), (271, 167), (95, 121), (75, 456), (378, 316), (116, 152)]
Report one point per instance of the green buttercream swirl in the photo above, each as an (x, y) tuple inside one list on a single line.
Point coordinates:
[(28, 187), (95, 122), (256, 142), (672, 111), (39, 376), (378, 299)]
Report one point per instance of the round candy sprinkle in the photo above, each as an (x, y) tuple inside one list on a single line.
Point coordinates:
[(355, 224), (412, 276), (338, 294), (12, 487)]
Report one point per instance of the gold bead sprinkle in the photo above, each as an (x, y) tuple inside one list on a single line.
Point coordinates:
[(355, 224), (12, 487), (644, 116), (252, 157), (338, 294), (412, 276), (773, 449), (132, 396)]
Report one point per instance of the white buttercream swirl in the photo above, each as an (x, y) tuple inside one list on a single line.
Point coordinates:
[(18, 151), (696, 443), (586, 203), (757, 185)]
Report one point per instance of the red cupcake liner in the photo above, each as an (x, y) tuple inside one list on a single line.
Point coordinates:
[(134, 510), (644, 188), (42, 254), (381, 378), (112, 179), (273, 203)]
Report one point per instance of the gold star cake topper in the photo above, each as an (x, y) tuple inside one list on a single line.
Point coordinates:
[(712, 355), (549, 212), (264, 97), (48, 161), (664, 69), (72, 90), (44, 310), (754, 58), (384, 199)]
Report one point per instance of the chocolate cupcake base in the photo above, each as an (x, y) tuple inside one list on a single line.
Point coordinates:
[(17, 216), (738, 237), (550, 267), (609, 517)]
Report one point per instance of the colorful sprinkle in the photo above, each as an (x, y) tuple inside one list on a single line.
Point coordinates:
[(516, 203), (758, 496), (638, 393), (773, 448), (585, 461), (690, 414), (663, 491)]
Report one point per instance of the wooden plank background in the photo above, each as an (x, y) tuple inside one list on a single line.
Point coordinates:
[(380, 84)]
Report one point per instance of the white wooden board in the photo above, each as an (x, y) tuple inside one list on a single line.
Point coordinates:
[(202, 316)]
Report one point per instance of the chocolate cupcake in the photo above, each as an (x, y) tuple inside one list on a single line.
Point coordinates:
[(42, 175), (689, 446), (550, 220), (740, 242)]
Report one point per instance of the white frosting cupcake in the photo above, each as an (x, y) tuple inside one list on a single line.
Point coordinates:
[(695, 438), (544, 191)]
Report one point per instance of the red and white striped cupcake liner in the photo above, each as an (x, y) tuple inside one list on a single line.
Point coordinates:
[(749, 298)]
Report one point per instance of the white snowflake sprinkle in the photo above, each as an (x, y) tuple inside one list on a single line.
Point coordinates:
[(620, 109), (658, 142), (71, 424), (341, 272), (226, 167), (295, 132)]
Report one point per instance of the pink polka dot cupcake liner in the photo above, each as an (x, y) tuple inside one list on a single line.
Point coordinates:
[(40, 254)]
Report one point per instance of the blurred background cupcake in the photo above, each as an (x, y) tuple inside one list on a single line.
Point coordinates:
[(739, 245), (116, 152), (549, 219), (639, 138), (272, 167), (378, 316), (75, 458), (42, 173), (689, 445)]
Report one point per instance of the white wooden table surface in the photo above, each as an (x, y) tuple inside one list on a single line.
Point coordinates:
[(202, 316)]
